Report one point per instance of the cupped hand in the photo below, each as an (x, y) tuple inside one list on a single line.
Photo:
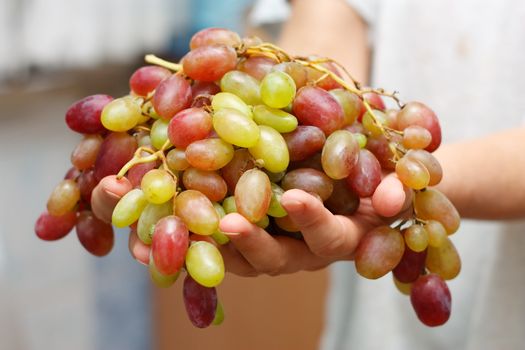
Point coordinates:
[(327, 237)]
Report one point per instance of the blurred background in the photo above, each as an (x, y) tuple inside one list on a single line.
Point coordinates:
[(57, 296)]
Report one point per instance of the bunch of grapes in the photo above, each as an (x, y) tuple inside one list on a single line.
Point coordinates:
[(229, 129)]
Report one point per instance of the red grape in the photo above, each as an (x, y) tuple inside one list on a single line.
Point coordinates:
[(169, 245), (116, 150), (214, 36), (84, 116), (51, 228), (145, 79), (172, 96), (431, 300), (209, 63), (315, 106), (95, 235), (200, 302), (189, 125)]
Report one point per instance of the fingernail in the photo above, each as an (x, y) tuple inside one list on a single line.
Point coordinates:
[(292, 205)]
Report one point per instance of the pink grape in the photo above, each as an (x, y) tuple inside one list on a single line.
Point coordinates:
[(189, 125), (416, 113), (209, 63), (304, 141), (83, 116), (116, 150), (145, 79), (214, 36), (94, 235), (172, 96), (257, 66), (253, 194), (431, 300), (51, 228), (169, 244), (85, 153), (365, 176)]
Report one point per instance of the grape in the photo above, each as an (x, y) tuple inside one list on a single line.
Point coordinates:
[(412, 264), (158, 186), (51, 228), (444, 260), (365, 176), (276, 209), (197, 212), (204, 264), (340, 153), (214, 36), (416, 238), (350, 102), (235, 127), (243, 85), (63, 198), (189, 125), (361, 139), (242, 160), (209, 183), (404, 288), (412, 173), (159, 133), (379, 252), (83, 116), (72, 174), (200, 302), (86, 183), (430, 162), (271, 150), (253, 194), (431, 300), (286, 224), (304, 142), (137, 172), (209, 154), (277, 89), (94, 235), (176, 159), (172, 95), (150, 215), (85, 154), (145, 79), (169, 245), (342, 201), (159, 279), (416, 137), (129, 208), (116, 150), (436, 233), (327, 83), (209, 63), (229, 100), (379, 146), (309, 180), (204, 88), (416, 113), (228, 205), (295, 70), (279, 120), (257, 66), (219, 315), (434, 205), (374, 100), (121, 114), (314, 106), (371, 125), (219, 236)]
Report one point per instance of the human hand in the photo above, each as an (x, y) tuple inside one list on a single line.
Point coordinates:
[(327, 237)]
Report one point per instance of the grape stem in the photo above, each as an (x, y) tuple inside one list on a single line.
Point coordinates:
[(139, 159), (163, 63)]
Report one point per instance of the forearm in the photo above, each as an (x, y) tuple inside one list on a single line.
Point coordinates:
[(330, 29), (485, 177)]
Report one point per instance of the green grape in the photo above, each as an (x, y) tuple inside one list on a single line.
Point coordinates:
[(444, 260), (121, 114), (149, 217), (436, 233), (243, 85), (412, 173), (204, 264), (416, 238), (235, 127), (219, 315), (63, 198), (370, 125), (229, 205), (129, 208), (159, 279), (159, 133), (361, 139), (158, 186), (228, 100), (253, 194), (279, 120), (197, 212), (264, 222), (276, 209), (340, 154), (271, 149), (277, 89), (218, 236), (403, 288)]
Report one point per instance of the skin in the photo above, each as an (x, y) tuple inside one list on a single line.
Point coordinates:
[(328, 237)]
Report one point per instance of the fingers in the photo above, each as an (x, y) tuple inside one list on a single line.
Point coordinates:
[(106, 195), (390, 197), (138, 250), (253, 251), (326, 235)]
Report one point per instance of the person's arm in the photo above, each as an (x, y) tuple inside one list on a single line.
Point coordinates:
[(329, 28), (485, 177)]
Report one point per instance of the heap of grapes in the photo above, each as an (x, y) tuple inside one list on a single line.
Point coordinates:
[(229, 129)]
